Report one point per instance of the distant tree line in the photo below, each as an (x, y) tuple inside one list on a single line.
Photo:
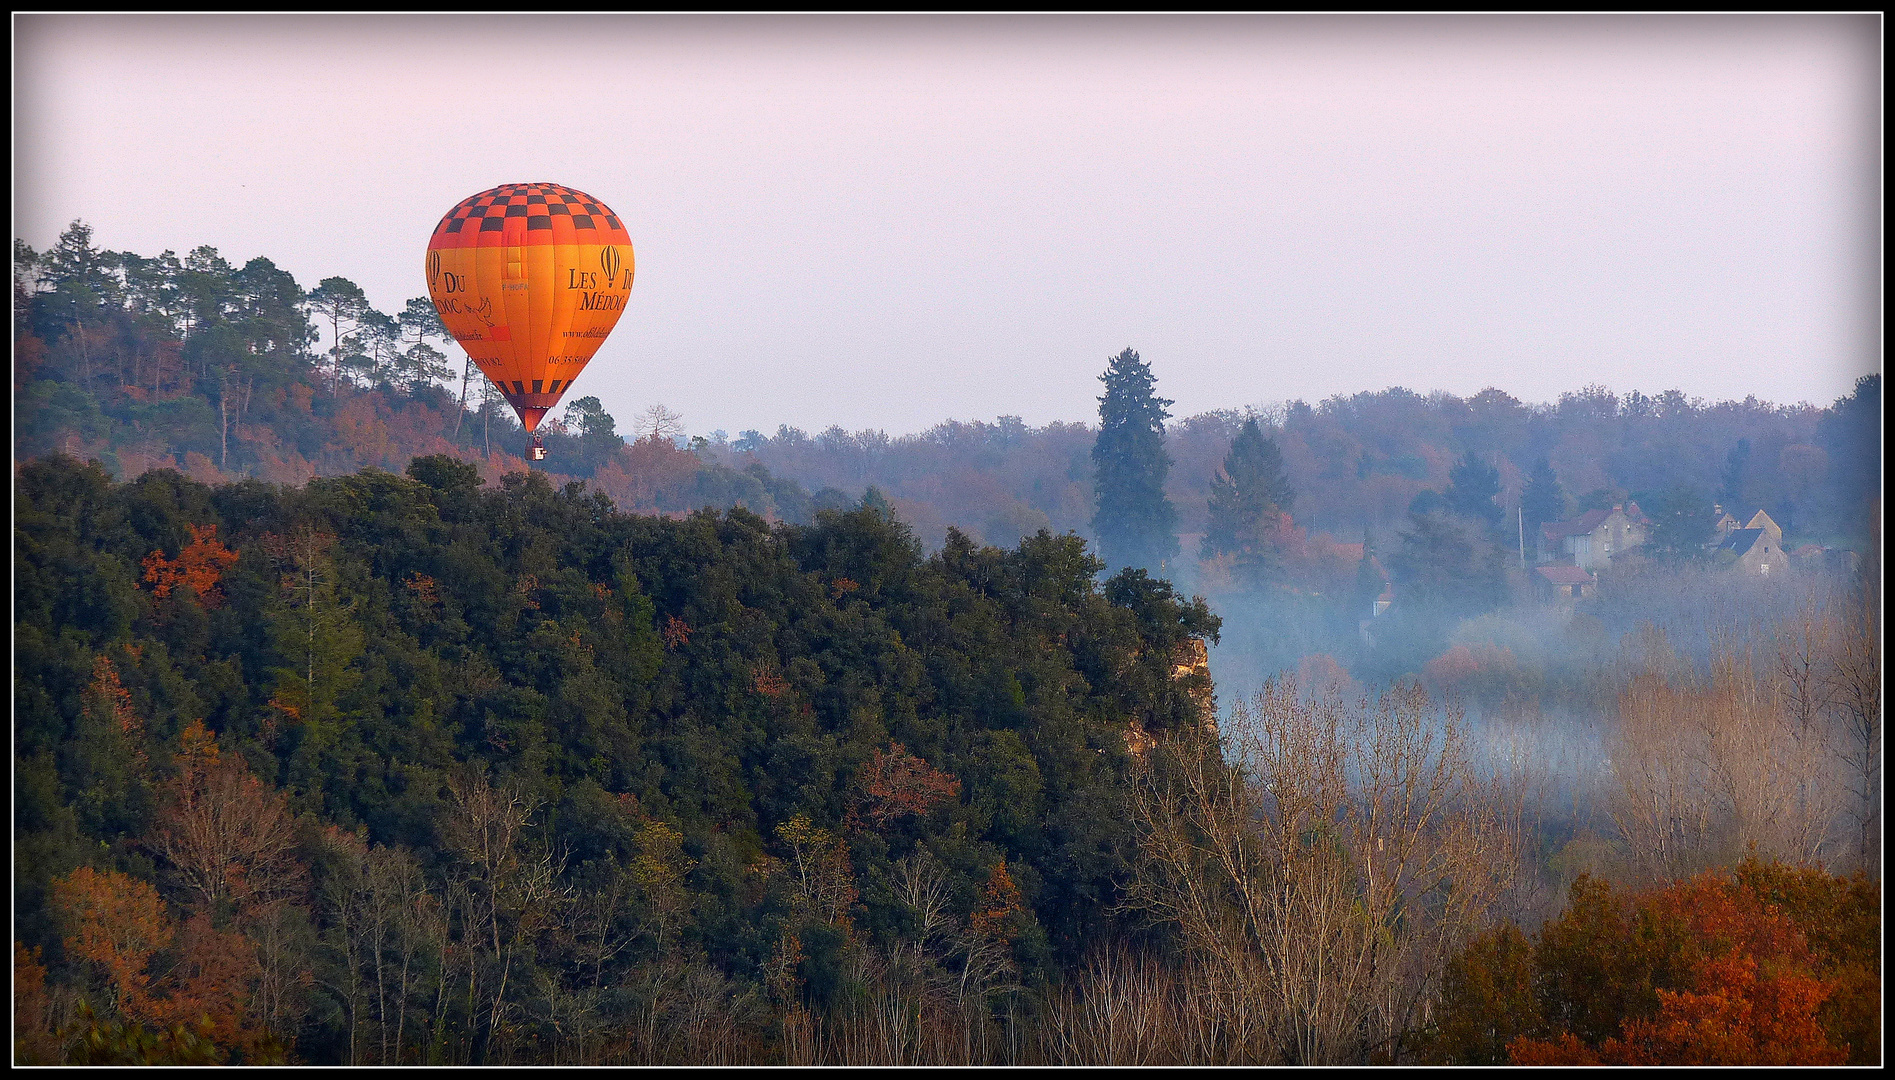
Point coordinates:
[(215, 369)]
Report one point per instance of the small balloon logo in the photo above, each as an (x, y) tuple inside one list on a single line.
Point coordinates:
[(609, 262)]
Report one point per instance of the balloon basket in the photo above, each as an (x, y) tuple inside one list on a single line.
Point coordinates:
[(536, 450)]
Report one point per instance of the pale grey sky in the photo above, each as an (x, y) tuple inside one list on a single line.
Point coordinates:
[(887, 222)]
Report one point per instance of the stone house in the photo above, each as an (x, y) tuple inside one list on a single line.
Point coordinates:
[(1757, 548), (1590, 540)]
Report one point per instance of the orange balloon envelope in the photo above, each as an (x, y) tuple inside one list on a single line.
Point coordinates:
[(530, 278)]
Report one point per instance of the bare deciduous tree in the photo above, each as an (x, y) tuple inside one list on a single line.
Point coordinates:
[(1321, 876), (658, 422), (1705, 769), (515, 889), (224, 834), (1854, 686)]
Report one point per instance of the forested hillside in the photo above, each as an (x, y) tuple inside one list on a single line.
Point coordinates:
[(342, 735), (750, 739), (418, 769)]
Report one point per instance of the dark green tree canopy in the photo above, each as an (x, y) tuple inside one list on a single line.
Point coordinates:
[(1851, 433), (1681, 524), (1543, 500), (596, 432), (1246, 495), (1473, 487), (1449, 563), (875, 501), (1599, 499), (380, 639), (1134, 520)]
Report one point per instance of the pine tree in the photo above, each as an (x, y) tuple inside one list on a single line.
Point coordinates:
[(1472, 487), (596, 430), (1248, 496), (342, 304), (1543, 499), (873, 499), (1451, 564), (1134, 520)]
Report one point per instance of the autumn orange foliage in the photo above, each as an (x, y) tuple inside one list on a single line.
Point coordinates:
[(423, 588), (999, 902), (35, 1040), (767, 682), (213, 982), (677, 632), (230, 842), (644, 473), (1842, 919), (896, 783), (121, 923), (198, 567), (1319, 672), (1732, 977), (117, 922), (108, 694)]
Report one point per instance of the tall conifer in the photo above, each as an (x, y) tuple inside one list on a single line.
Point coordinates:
[(1473, 487), (1134, 521), (1247, 494), (1543, 500)]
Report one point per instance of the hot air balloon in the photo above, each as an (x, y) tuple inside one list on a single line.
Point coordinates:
[(530, 278)]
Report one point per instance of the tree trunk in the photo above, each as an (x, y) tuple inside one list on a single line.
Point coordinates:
[(85, 360), (223, 423), (467, 372)]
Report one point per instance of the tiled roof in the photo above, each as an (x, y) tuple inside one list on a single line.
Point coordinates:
[(1584, 523), (1740, 540), (1565, 575)]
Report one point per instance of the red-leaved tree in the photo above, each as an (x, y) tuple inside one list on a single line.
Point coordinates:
[(895, 783)]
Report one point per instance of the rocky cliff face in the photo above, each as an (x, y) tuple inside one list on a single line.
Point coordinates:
[(1190, 665)]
